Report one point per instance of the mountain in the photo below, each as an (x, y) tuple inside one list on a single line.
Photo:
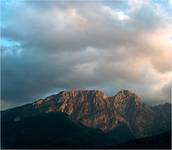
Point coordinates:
[(52, 130), (162, 118), (91, 108), (122, 117), (139, 116), (160, 141)]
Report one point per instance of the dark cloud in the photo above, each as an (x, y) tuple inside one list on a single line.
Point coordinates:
[(167, 90), (82, 45)]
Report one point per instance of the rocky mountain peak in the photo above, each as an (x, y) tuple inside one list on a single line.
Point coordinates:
[(93, 108), (74, 93), (90, 107), (124, 92), (126, 97)]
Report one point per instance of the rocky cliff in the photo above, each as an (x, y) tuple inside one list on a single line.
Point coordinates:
[(94, 109)]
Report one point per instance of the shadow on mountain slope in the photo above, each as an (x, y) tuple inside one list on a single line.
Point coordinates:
[(161, 141), (52, 130)]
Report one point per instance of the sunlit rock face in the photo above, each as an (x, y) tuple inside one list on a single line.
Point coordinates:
[(93, 108), (125, 100), (139, 116)]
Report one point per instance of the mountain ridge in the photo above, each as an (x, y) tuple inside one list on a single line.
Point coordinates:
[(93, 108)]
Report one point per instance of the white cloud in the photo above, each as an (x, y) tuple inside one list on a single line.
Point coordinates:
[(83, 46), (136, 4), (170, 2), (119, 15)]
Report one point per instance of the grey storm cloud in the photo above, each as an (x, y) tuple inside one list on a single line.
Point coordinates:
[(167, 89), (82, 45)]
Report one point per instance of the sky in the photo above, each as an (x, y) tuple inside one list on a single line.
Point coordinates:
[(49, 46)]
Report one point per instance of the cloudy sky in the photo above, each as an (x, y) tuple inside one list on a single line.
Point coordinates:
[(49, 46)]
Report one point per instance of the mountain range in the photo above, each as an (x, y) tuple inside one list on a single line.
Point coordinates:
[(84, 119)]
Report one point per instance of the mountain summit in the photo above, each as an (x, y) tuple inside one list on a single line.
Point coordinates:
[(126, 97), (93, 108), (90, 107)]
